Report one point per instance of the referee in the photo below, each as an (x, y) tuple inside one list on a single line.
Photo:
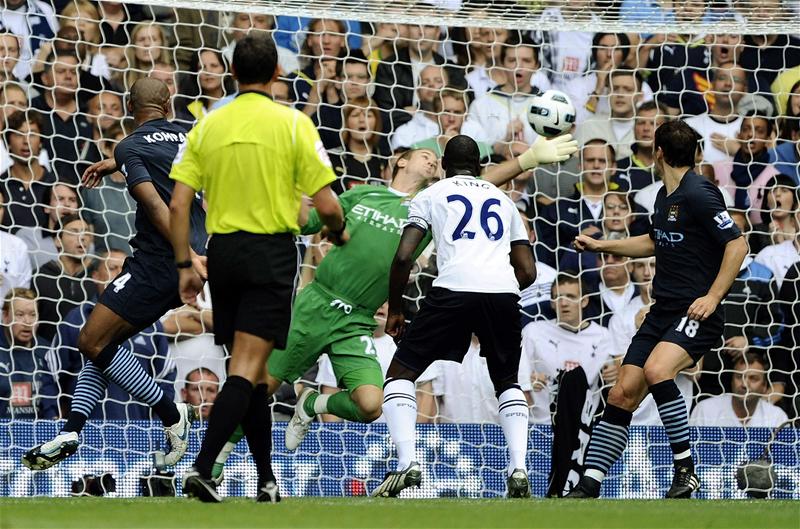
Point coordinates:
[(253, 159)]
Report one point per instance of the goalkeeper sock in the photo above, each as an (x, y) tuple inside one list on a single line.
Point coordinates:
[(121, 367), (342, 405), (89, 389), (514, 421), (675, 418), (608, 441), (400, 410), (257, 427), (232, 403), (226, 451)]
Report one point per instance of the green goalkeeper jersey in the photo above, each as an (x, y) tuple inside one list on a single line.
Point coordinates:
[(359, 270)]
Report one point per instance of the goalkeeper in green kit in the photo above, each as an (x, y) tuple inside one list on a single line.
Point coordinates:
[(334, 314)]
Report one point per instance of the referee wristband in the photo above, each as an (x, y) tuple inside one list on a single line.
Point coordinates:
[(184, 264)]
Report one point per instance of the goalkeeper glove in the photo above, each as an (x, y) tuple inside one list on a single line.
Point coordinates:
[(544, 151)]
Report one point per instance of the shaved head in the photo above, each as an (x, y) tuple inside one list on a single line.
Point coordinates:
[(149, 94)]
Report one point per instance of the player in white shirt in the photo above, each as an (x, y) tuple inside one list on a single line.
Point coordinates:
[(484, 258), (746, 405), (564, 344)]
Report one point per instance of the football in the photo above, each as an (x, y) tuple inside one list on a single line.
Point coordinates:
[(551, 113)]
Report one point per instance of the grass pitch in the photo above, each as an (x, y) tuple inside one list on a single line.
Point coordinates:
[(296, 513)]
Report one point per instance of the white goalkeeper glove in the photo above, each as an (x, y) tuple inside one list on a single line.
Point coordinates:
[(544, 151)]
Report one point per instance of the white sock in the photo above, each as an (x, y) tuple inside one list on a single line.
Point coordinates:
[(400, 410), (321, 404), (514, 420)]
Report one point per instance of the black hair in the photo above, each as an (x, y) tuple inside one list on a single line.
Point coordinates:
[(255, 59), (569, 277), (47, 195), (15, 121), (516, 40), (756, 114), (461, 154), (678, 141), (617, 72), (67, 219), (623, 42)]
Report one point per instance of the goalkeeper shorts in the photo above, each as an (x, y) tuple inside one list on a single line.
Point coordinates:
[(323, 322)]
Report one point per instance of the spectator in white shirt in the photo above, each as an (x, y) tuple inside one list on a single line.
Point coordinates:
[(564, 344), (728, 86), (449, 114), (15, 267), (616, 126), (62, 200), (747, 404), (502, 113), (425, 122)]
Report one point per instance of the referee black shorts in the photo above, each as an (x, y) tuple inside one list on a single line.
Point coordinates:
[(443, 328), (252, 280)]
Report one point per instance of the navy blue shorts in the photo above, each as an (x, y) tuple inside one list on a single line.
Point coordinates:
[(673, 326), (145, 289), (443, 328)]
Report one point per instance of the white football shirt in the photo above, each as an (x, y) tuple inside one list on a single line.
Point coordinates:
[(550, 348), (718, 411), (474, 225)]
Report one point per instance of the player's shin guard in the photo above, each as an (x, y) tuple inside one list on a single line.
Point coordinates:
[(675, 418), (257, 426), (228, 411), (341, 404), (89, 389), (513, 410), (121, 367), (608, 441), (400, 410)]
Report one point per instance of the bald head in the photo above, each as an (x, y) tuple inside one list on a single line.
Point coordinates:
[(461, 155), (149, 95)]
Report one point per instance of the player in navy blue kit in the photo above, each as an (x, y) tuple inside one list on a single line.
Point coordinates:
[(145, 289), (698, 251)]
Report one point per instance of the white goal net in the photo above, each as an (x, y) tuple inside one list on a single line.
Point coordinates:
[(380, 78)]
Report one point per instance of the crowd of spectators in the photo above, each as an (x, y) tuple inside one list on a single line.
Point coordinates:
[(376, 90)]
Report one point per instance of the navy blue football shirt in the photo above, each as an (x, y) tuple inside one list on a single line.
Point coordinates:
[(146, 155), (690, 228)]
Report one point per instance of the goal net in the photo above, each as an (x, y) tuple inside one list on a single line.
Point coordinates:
[(379, 78)]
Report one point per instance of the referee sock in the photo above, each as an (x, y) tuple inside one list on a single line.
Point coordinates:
[(608, 441), (121, 367), (400, 410), (257, 427), (89, 389), (232, 403), (514, 421), (675, 418)]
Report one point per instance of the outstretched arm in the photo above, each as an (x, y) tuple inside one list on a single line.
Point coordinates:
[(639, 246), (398, 278), (543, 151)]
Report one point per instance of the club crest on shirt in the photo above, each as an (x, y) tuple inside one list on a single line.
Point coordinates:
[(672, 214), (723, 220)]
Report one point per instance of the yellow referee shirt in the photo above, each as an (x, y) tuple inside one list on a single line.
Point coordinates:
[(253, 158)]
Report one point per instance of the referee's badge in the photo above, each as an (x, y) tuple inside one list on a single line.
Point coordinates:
[(672, 214)]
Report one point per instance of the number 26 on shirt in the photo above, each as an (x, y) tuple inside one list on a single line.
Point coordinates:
[(485, 215)]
